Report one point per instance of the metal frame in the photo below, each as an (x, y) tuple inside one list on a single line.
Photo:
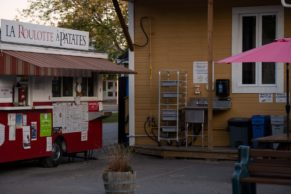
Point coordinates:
[(172, 98)]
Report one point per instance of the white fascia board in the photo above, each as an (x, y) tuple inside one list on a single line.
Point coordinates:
[(131, 81), (48, 50)]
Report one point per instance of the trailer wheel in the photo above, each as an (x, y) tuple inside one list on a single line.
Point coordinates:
[(56, 156)]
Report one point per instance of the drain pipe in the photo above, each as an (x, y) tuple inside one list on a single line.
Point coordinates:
[(285, 4)]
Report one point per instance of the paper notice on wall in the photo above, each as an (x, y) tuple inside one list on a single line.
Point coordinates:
[(12, 133), (26, 137), (84, 135), (24, 119), (200, 72), (70, 117), (33, 131), (2, 134), (49, 145), (11, 119), (281, 97), (5, 92), (57, 115), (265, 98)]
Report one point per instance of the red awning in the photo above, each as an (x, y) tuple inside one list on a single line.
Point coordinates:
[(30, 63)]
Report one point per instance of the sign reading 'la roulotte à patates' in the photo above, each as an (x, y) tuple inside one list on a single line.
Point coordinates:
[(25, 33)]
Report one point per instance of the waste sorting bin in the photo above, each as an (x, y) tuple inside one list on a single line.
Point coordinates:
[(239, 131), (260, 127), (278, 123)]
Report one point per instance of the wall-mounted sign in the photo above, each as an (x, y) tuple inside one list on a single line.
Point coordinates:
[(93, 106), (25, 33), (281, 97), (5, 92), (265, 98), (200, 72)]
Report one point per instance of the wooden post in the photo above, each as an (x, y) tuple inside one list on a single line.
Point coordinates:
[(210, 64)]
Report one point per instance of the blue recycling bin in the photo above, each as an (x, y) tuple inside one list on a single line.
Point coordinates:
[(260, 127)]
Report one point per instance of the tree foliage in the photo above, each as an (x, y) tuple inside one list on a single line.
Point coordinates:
[(96, 16)]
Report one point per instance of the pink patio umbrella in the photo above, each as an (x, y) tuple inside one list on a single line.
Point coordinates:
[(277, 51)]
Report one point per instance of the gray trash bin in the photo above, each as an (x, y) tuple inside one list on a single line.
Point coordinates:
[(278, 123), (239, 131)]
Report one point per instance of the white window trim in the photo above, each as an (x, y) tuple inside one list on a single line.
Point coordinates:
[(237, 86), (72, 99)]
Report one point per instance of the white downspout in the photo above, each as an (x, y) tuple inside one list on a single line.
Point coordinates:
[(131, 81), (285, 4)]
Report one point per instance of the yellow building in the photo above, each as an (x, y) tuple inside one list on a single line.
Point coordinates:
[(173, 34)]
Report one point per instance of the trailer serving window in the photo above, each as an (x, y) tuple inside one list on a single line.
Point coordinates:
[(69, 86), (87, 86), (62, 86)]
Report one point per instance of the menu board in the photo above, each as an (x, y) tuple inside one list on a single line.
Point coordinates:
[(70, 117)]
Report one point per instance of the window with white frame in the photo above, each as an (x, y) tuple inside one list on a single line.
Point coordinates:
[(64, 86), (88, 86), (253, 27)]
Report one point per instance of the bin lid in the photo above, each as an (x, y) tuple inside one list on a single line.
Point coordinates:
[(239, 121), (278, 119)]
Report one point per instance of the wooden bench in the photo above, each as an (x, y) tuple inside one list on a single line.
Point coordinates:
[(261, 166)]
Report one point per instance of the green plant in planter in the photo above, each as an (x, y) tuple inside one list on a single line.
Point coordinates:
[(118, 177)]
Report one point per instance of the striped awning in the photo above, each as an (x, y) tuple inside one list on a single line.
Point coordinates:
[(43, 64)]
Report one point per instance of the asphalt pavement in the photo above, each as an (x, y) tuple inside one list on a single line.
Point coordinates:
[(154, 175)]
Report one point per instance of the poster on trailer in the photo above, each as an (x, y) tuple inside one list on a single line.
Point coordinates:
[(33, 131), (2, 134), (26, 137)]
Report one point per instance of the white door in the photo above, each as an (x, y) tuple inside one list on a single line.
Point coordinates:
[(111, 90)]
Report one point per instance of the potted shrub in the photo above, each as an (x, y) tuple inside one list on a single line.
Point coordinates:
[(118, 177)]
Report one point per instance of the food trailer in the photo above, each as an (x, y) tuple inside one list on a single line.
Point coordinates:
[(50, 92)]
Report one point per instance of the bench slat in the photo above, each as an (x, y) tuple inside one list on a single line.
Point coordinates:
[(271, 162), (270, 170), (270, 153), (264, 180), (274, 175), (271, 167)]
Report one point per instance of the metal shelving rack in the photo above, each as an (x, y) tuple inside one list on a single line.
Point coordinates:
[(172, 98)]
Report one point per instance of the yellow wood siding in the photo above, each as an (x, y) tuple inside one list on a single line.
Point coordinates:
[(178, 36)]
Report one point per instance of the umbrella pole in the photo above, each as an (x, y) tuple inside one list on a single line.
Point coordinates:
[(287, 99)]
